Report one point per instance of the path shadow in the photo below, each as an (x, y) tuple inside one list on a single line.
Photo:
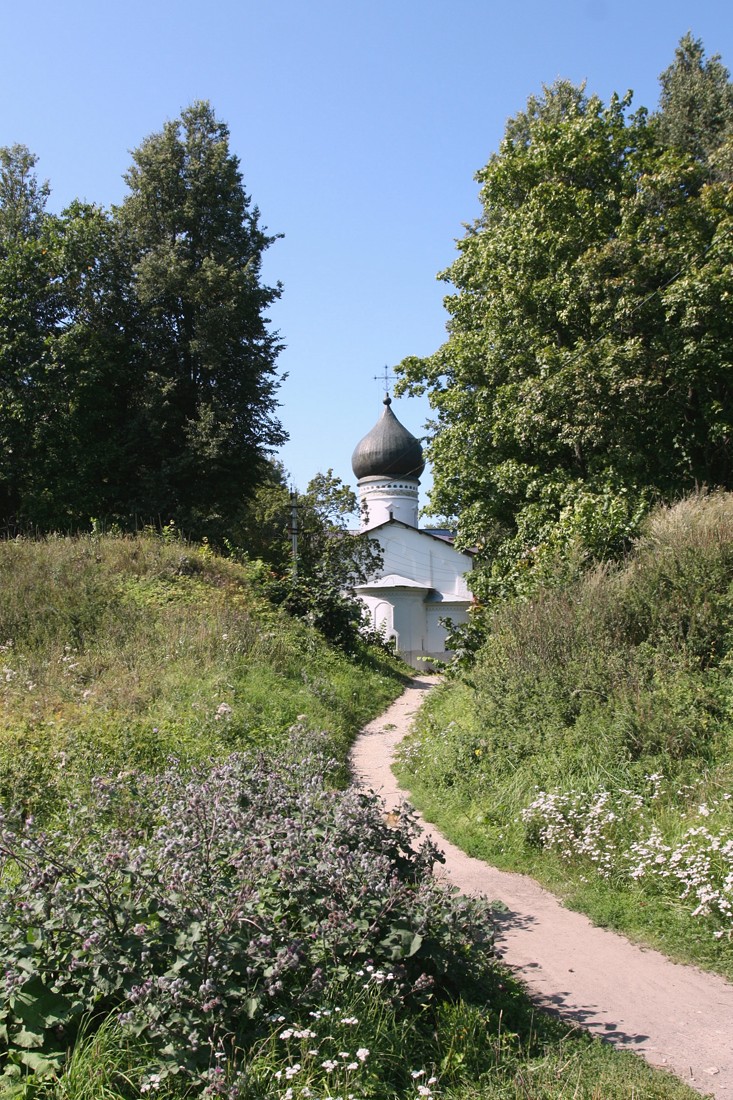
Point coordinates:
[(426, 680), (505, 918), (588, 1017), (561, 1003)]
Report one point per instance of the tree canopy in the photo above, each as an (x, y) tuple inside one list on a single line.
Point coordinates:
[(318, 586), (696, 102), (138, 365), (587, 368)]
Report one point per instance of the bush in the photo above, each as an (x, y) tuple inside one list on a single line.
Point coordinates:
[(194, 907)]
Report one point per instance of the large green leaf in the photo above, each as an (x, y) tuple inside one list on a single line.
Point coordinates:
[(38, 1006)]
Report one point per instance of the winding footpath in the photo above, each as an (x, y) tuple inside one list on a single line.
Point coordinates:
[(677, 1017)]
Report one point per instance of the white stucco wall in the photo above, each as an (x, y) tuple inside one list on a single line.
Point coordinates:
[(383, 498), (422, 581), (424, 558)]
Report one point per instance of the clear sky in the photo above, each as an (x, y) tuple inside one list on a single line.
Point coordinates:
[(359, 125)]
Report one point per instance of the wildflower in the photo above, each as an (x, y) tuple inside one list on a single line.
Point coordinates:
[(362, 1054), (329, 1064)]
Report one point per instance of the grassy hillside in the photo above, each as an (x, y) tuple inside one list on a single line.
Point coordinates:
[(117, 652), (592, 744)]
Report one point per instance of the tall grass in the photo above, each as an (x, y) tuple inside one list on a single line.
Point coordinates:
[(593, 743), (124, 651)]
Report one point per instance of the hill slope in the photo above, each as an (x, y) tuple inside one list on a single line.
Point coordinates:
[(119, 652)]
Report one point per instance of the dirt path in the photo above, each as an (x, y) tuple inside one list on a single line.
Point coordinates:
[(674, 1016)]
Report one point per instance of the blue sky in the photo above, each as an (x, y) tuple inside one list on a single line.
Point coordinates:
[(359, 125)]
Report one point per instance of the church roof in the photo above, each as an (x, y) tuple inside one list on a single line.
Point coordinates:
[(425, 532), (388, 450), (392, 580)]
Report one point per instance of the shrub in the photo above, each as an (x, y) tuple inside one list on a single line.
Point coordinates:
[(195, 906)]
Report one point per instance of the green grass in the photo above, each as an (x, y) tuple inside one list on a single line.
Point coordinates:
[(489, 1045), (585, 692), (122, 651)]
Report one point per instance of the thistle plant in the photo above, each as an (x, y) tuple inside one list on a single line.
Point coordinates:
[(191, 906)]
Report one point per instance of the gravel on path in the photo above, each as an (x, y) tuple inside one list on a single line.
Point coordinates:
[(677, 1017)]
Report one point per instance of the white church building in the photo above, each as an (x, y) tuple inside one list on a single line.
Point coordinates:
[(424, 576)]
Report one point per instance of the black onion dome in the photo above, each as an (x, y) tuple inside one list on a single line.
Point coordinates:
[(388, 450)]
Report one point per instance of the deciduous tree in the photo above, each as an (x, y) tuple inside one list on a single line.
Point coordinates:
[(137, 365), (587, 363), (331, 559), (28, 312)]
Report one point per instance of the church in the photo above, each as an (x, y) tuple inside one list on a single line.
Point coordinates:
[(424, 576)]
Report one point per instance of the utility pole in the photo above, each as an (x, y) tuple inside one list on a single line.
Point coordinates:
[(294, 532)]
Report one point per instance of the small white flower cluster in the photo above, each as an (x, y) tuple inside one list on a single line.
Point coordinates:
[(374, 976), (11, 675), (297, 1033), (424, 1088), (312, 1060), (600, 827)]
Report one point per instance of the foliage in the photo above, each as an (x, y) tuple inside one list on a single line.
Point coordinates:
[(696, 102), (591, 739), (617, 833), (27, 309), (318, 586), (197, 250), (121, 652), (138, 367), (87, 435), (251, 933), (587, 357), (195, 905)]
